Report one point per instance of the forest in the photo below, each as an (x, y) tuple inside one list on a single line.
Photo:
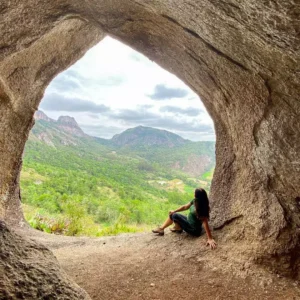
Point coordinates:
[(95, 190)]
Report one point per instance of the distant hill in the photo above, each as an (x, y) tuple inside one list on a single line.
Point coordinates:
[(147, 136), (74, 184), (156, 146), (64, 131)]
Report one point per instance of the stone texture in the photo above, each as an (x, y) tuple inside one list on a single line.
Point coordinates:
[(24, 77), (241, 57), (30, 271)]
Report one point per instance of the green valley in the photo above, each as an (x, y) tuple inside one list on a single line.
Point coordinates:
[(75, 184)]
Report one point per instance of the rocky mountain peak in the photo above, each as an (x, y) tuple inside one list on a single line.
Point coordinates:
[(40, 115), (64, 123), (70, 125), (67, 121)]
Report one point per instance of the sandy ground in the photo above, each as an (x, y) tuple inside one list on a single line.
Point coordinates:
[(175, 266)]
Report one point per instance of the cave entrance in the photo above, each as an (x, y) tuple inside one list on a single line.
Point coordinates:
[(244, 72), (117, 143)]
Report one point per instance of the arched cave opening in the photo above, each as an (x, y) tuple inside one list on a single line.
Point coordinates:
[(115, 138), (242, 60)]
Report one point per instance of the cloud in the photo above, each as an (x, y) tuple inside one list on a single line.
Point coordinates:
[(178, 125), (100, 131), (109, 81), (72, 80), (136, 57), (161, 92), (66, 83), (145, 106), (147, 118), (193, 98), (133, 115), (71, 73), (93, 116), (55, 102), (190, 111), (112, 75)]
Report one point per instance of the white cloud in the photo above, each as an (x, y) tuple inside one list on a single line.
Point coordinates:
[(115, 76)]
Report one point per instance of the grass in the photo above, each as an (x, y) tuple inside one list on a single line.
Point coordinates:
[(71, 225), (76, 192), (207, 176)]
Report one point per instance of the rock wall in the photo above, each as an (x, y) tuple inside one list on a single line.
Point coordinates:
[(241, 57), (24, 75), (30, 271)]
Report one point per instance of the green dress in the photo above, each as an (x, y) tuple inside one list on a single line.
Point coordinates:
[(192, 217)]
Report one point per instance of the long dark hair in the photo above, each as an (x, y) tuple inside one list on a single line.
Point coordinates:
[(201, 204)]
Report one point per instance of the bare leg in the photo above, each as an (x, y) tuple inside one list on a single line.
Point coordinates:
[(167, 223), (177, 226)]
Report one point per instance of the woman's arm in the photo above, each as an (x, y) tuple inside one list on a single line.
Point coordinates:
[(181, 208), (210, 241)]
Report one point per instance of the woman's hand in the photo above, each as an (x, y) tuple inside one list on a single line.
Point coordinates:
[(171, 212), (211, 243)]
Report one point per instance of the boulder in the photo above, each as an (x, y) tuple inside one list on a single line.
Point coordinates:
[(30, 271)]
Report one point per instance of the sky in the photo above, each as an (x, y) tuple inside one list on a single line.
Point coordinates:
[(113, 88)]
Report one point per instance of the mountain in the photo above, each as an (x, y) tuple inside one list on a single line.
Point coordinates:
[(147, 136), (154, 146), (40, 115), (64, 131), (73, 183), (69, 124)]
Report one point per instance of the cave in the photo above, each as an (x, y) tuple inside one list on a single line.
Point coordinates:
[(241, 58)]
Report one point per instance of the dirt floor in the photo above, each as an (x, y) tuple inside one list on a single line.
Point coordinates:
[(175, 266)]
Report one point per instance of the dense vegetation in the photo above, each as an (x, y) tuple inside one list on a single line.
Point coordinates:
[(92, 189)]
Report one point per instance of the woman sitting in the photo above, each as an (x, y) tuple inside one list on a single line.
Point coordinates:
[(192, 224)]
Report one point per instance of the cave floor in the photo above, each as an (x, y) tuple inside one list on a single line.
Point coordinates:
[(145, 266)]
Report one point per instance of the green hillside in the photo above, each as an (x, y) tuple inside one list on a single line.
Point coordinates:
[(75, 184), (141, 136)]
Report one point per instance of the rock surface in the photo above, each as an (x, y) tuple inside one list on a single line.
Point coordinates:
[(30, 271), (175, 266), (39, 115), (241, 57), (70, 125)]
